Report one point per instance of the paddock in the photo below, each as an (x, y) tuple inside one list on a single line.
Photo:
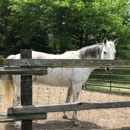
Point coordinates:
[(107, 118), (90, 119)]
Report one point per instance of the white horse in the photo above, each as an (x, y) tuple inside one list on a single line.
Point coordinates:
[(73, 78)]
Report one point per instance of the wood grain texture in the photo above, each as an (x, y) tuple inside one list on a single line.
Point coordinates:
[(10, 118), (66, 107), (23, 71), (26, 90), (66, 63)]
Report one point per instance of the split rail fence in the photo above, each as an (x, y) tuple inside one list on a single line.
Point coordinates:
[(26, 67)]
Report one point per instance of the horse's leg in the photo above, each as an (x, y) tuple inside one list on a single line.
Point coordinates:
[(76, 86), (69, 93), (16, 98), (16, 101)]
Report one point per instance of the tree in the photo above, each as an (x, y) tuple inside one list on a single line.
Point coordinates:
[(56, 26), (4, 25)]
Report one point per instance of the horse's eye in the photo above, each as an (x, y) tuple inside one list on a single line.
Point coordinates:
[(104, 52)]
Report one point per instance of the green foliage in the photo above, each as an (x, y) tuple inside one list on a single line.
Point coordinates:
[(1, 59), (56, 26)]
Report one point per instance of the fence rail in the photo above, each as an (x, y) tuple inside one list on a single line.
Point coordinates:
[(112, 81), (66, 107), (66, 63), (23, 70)]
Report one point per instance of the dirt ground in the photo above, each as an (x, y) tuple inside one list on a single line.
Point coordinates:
[(90, 119)]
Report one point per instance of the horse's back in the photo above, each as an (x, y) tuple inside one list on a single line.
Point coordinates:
[(66, 55), (42, 55)]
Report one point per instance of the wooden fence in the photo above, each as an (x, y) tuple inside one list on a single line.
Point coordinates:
[(27, 67)]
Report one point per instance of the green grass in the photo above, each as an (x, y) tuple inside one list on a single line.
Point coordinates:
[(96, 88)]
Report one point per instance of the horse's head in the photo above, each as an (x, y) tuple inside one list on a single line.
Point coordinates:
[(108, 52)]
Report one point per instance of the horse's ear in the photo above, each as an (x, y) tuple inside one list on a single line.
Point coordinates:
[(105, 40), (116, 41)]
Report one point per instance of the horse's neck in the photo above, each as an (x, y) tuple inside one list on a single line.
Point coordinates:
[(91, 52)]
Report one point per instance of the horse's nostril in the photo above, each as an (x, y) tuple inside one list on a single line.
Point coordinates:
[(107, 69)]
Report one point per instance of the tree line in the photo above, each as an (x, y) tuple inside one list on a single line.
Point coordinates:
[(56, 26)]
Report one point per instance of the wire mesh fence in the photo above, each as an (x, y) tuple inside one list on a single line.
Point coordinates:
[(90, 119)]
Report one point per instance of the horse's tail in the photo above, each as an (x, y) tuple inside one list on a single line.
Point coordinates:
[(8, 83), (8, 87)]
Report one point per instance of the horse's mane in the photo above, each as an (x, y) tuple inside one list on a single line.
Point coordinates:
[(91, 52)]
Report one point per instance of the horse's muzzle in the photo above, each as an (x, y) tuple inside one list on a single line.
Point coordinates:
[(109, 70)]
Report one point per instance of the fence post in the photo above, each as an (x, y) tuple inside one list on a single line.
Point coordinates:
[(26, 90), (110, 81)]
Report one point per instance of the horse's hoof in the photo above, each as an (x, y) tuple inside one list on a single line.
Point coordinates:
[(16, 125), (77, 123), (65, 117)]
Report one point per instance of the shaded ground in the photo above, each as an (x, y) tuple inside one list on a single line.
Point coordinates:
[(90, 119)]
